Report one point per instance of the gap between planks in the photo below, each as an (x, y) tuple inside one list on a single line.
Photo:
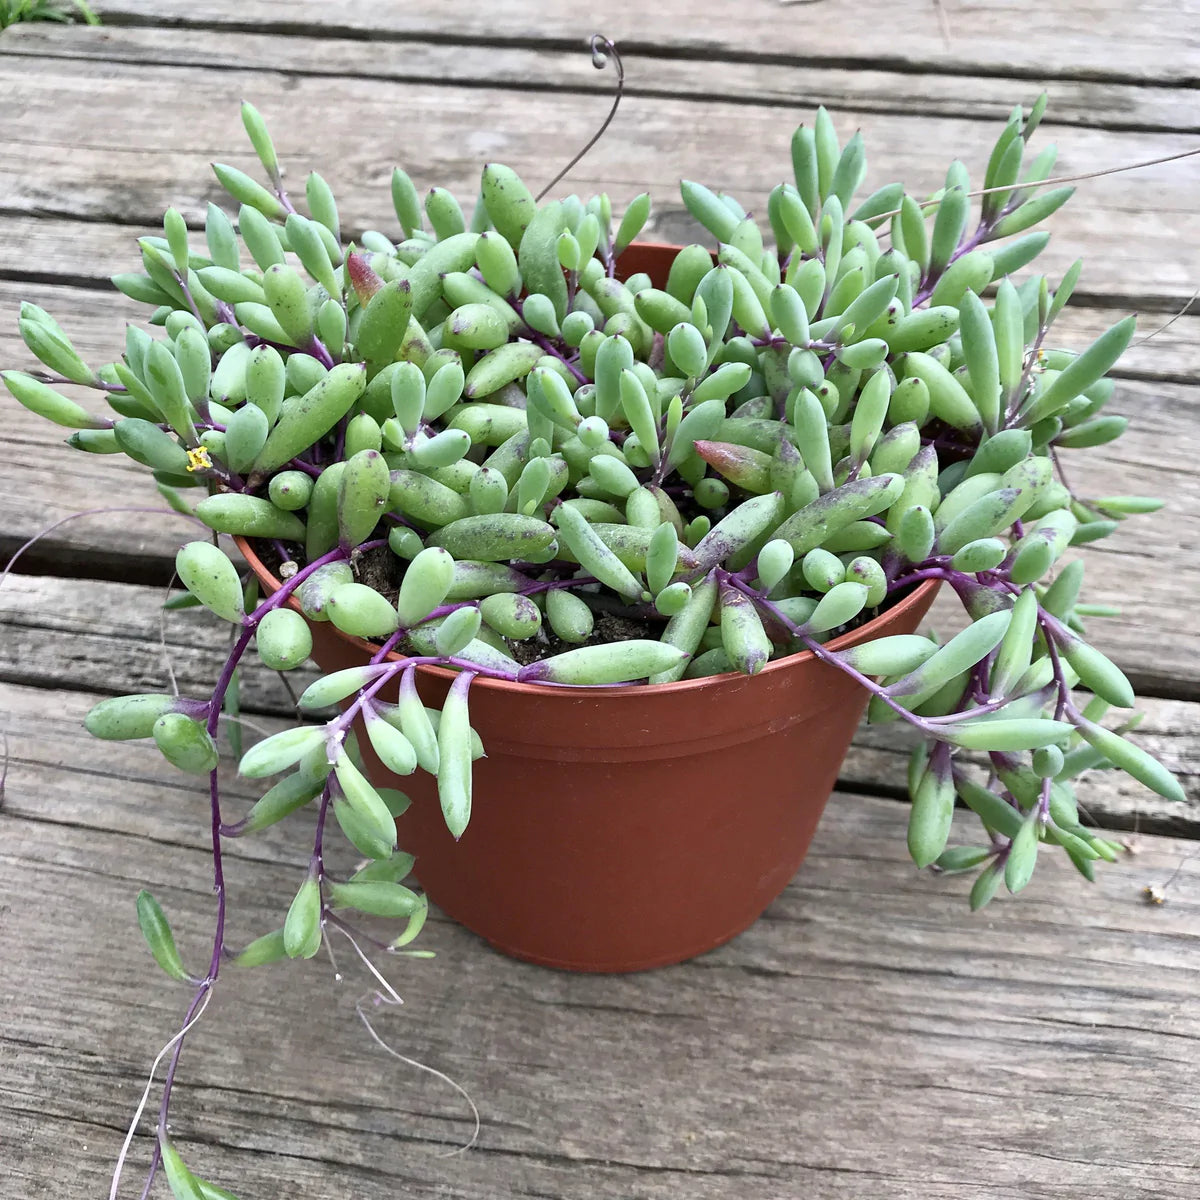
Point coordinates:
[(1133, 226), (1074, 41), (844, 88)]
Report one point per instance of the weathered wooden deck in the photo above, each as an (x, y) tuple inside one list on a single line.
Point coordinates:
[(866, 1039)]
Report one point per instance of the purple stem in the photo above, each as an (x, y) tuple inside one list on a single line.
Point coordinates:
[(100, 386), (317, 349), (254, 341), (920, 575), (319, 835), (546, 585), (249, 625), (225, 314), (281, 195), (826, 655), (187, 295), (553, 350), (299, 464), (387, 646)]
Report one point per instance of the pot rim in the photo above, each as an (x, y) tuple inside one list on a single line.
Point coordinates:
[(511, 687)]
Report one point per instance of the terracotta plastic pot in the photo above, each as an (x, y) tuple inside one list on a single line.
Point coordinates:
[(619, 829), (623, 828)]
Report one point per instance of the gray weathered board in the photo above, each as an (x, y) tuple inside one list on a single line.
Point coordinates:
[(866, 1038), (863, 1039)]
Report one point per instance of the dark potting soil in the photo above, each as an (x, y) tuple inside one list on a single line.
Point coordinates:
[(382, 570)]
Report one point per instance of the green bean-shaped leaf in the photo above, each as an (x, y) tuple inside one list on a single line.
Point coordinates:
[(185, 743), (208, 574), (1016, 649), (359, 610), (615, 662), (249, 516), (384, 322), (454, 756), (368, 804), (156, 929), (600, 561), (1022, 855), (995, 812), (1098, 673), (510, 204), (263, 950), (124, 718), (742, 634), (302, 927), (183, 1184), (1004, 733), (1089, 368), (376, 897), (280, 751), (840, 604), (895, 655), (289, 794), (931, 813), (1133, 760), (394, 749), (812, 525), (304, 420)]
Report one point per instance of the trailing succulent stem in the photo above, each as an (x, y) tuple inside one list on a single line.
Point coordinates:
[(743, 459)]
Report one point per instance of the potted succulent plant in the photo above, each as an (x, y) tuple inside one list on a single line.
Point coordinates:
[(648, 526)]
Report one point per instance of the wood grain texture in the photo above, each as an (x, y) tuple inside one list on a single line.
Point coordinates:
[(1093, 40), (864, 1038), (74, 118), (841, 87), (64, 634), (46, 482)]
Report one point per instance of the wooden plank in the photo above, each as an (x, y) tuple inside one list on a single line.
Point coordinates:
[(66, 250), (1047, 41), (866, 1037), (843, 88), (1136, 229), (105, 637), (45, 481)]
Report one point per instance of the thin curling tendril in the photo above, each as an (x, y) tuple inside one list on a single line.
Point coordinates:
[(1052, 182), (602, 49)]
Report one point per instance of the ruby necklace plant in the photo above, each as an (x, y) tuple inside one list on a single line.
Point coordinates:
[(478, 445)]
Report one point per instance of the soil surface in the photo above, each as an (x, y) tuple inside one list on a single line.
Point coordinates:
[(382, 570)]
